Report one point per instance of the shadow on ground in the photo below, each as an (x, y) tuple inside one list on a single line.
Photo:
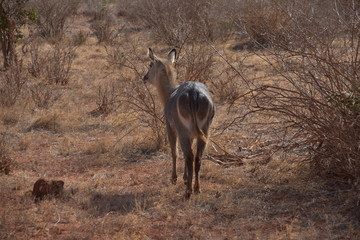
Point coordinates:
[(104, 203)]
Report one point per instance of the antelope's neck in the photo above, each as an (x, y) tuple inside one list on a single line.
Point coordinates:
[(166, 87)]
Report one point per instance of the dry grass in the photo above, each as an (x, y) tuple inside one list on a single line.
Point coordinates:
[(117, 183)]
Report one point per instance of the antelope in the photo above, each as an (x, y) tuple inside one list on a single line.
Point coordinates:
[(189, 111)]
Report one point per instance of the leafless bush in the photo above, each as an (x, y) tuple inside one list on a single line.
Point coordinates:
[(177, 22), (225, 86), (42, 95), (94, 6), (79, 38), (117, 57), (263, 21), (276, 21), (108, 99), (37, 60), (316, 96), (141, 100), (6, 162), (135, 95), (52, 16), (195, 63), (54, 64), (11, 84), (103, 27), (58, 64)]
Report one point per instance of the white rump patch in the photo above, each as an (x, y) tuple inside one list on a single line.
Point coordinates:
[(186, 122), (202, 123)]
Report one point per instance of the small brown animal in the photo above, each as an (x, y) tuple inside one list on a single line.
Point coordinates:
[(43, 188)]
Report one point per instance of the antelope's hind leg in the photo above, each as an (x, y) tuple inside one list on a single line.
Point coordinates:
[(185, 176), (189, 162), (201, 144), (173, 145)]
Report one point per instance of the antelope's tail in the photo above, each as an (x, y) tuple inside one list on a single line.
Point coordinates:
[(193, 108)]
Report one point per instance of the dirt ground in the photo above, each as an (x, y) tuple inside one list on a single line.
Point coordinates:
[(110, 198)]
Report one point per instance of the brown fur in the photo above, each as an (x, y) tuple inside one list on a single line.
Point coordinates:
[(43, 187)]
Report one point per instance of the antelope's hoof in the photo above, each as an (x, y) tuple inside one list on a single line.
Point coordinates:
[(196, 189), (173, 180), (187, 195)]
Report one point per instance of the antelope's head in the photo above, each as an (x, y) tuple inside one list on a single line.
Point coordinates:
[(160, 68)]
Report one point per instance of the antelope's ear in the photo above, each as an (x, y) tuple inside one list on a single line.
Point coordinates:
[(172, 56), (151, 54)]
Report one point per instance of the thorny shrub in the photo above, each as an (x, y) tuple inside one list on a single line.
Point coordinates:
[(104, 25), (79, 38), (42, 95), (37, 60), (135, 95), (52, 16), (53, 64), (178, 22), (107, 99), (226, 86), (11, 84), (58, 64), (6, 161), (315, 95), (262, 22), (195, 63)]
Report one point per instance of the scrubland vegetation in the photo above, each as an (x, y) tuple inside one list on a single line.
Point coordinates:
[(283, 161)]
